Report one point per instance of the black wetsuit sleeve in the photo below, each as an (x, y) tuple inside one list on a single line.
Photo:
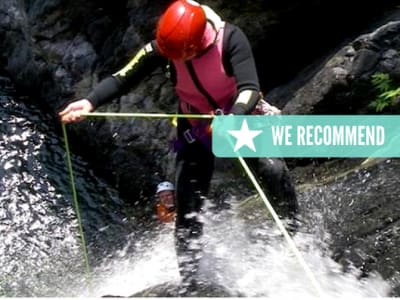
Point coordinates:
[(238, 59), (239, 62), (146, 60)]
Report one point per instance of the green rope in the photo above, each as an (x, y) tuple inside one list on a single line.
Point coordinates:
[(282, 228), (77, 211), (145, 115)]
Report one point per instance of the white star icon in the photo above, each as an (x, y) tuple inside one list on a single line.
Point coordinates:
[(244, 136)]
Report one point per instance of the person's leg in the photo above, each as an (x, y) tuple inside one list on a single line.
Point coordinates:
[(277, 184), (195, 165)]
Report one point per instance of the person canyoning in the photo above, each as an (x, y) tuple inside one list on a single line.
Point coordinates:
[(212, 69), (165, 205)]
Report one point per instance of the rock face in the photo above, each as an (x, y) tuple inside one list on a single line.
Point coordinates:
[(342, 82), (56, 51), (360, 213), (171, 289)]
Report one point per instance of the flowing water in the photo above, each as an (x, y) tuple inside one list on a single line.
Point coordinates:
[(244, 259), (41, 251)]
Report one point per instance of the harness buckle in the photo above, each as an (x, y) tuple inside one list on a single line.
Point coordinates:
[(219, 112), (188, 136)]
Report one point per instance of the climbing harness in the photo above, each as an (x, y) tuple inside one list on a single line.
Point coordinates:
[(200, 132), (274, 215)]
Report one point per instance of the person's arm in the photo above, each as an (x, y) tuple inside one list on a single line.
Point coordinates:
[(144, 62), (239, 62)]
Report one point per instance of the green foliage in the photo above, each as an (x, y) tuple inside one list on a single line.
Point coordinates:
[(388, 92)]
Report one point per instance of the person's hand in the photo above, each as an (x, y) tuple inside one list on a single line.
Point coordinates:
[(264, 108), (73, 112)]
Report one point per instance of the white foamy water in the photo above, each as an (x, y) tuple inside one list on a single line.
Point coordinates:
[(246, 259), (154, 263)]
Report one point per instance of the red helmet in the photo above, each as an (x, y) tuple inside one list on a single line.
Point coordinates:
[(180, 30)]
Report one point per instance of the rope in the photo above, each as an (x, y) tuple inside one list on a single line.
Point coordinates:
[(145, 115), (282, 228), (77, 211)]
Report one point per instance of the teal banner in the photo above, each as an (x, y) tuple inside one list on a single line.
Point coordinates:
[(306, 136)]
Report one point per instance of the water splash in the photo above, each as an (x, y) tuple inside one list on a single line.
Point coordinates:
[(31, 209), (153, 263), (40, 251), (244, 259), (256, 261)]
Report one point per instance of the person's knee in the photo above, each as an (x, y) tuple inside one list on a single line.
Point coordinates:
[(279, 186), (273, 167)]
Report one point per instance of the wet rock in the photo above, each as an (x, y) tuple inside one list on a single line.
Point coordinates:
[(175, 290)]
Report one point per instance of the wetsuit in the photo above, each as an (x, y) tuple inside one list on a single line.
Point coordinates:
[(165, 214), (195, 161)]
